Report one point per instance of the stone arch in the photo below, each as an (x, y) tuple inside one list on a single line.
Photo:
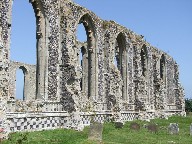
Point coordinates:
[(121, 57), (25, 72), (41, 48), (29, 73), (144, 60), (88, 24), (24, 69)]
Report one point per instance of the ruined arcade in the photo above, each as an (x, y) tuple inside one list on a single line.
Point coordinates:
[(120, 76)]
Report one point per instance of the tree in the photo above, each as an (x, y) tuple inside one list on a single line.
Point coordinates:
[(188, 105)]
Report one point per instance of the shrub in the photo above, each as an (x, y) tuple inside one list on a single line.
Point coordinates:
[(188, 105)]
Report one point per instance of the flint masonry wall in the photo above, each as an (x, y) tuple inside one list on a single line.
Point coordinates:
[(143, 75), (120, 74)]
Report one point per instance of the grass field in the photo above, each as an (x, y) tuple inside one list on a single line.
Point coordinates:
[(111, 135)]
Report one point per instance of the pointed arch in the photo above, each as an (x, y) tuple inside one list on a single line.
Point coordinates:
[(121, 58), (20, 83), (91, 61), (41, 49)]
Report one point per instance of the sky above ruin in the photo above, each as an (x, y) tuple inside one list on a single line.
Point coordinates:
[(165, 24)]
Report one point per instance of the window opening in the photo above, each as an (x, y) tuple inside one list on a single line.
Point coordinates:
[(121, 61), (143, 55), (23, 34), (20, 84), (23, 40), (88, 58), (83, 62), (162, 66)]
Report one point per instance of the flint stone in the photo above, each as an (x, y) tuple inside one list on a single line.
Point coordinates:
[(173, 128), (95, 131)]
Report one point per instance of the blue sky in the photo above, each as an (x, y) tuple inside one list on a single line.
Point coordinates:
[(166, 24)]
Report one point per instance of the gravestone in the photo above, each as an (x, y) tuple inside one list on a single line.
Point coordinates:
[(173, 128), (191, 129), (134, 126), (152, 128), (118, 125), (95, 131)]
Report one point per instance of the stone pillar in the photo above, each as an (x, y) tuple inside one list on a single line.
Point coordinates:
[(92, 66), (3, 120)]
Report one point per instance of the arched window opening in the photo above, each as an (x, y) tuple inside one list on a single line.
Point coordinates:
[(121, 61), (20, 83), (162, 66), (144, 61), (23, 40), (87, 52), (29, 41), (23, 35), (82, 38), (120, 52)]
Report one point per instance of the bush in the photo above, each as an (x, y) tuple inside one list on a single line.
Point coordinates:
[(188, 105)]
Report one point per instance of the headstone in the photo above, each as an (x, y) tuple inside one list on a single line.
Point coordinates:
[(191, 129), (152, 128), (173, 128), (95, 131), (134, 126), (118, 125)]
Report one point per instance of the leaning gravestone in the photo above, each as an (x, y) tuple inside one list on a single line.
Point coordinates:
[(118, 125), (134, 126), (191, 129), (95, 131), (152, 128), (173, 128)]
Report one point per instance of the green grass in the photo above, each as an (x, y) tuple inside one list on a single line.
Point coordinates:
[(111, 135)]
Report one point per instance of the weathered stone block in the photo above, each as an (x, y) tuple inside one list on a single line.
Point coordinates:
[(173, 128), (152, 128), (118, 125), (95, 131), (134, 126)]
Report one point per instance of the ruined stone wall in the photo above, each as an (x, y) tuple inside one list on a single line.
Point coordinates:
[(142, 81), (122, 75), (133, 84)]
